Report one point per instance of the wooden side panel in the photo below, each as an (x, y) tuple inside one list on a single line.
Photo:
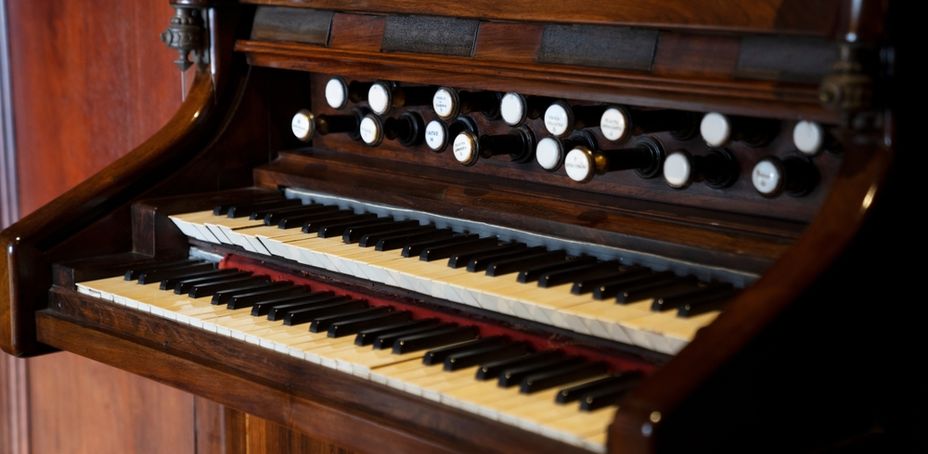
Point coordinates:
[(85, 402), (266, 437), (89, 83)]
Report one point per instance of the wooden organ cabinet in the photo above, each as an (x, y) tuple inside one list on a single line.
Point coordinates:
[(544, 226)]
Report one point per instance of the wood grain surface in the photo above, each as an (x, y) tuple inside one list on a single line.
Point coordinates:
[(89, 83)]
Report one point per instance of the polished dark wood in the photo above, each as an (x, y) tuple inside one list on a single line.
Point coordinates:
[(219, 429), (756, 16), (333, 406), (586, 217), (743, 97), (266, 437), (723, 392), (68, 402)]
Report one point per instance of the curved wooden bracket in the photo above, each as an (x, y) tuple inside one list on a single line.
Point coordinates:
[(60, 230)]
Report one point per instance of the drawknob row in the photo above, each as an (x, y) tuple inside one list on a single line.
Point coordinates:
[(577, 154), (561, 119)]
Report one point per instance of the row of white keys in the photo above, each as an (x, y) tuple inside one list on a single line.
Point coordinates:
[(537, 412), (297, 341), (632, 323), (404, 371)]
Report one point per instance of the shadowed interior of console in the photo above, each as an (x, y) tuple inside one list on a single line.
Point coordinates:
[(508, 227)]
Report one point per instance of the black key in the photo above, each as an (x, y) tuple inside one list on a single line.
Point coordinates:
[(135, 272), (225, 296), (328, 231), (460, 260), (262, 211), (416, 248), (387, 340), (223, 208), (493, 369), (349, 327), (705, 304), (244, 300), (150, 277), (399, 241), (280, 311), (371, 239), (245, 210), (514, 375), (534, 273), (673, 300), (355, 234), (210, 288), (589, 283), (612, 288), (322, 324), (566, 275), (274, 217), (368, 336), (184, 284), (432, 339), (555, 377), (168, 283), (442, 252), (480, 263), (568, 395), (516, 264), (298, 316), (297, 220), (470, 358), (438, 355), (606, 396), (265, 307), (651, 290), (313, 226)]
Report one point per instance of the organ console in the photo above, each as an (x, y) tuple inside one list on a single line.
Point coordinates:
[(377, 294)]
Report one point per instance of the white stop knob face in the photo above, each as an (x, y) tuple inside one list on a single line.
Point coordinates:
[(614, 124), (436, 136), (766, 177), (678, 170), (557, 120), (444, 103), (808, 137), (302, 125), (579, 165), (512, 109), (548, 153), (465, 148), (715, 129), (336, 93), (370, 130), (378, 97)]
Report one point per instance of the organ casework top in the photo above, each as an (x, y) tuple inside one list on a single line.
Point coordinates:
[(525, 228)]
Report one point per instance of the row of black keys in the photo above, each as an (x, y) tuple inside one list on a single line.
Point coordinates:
[(453, 346), (587, 274)]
